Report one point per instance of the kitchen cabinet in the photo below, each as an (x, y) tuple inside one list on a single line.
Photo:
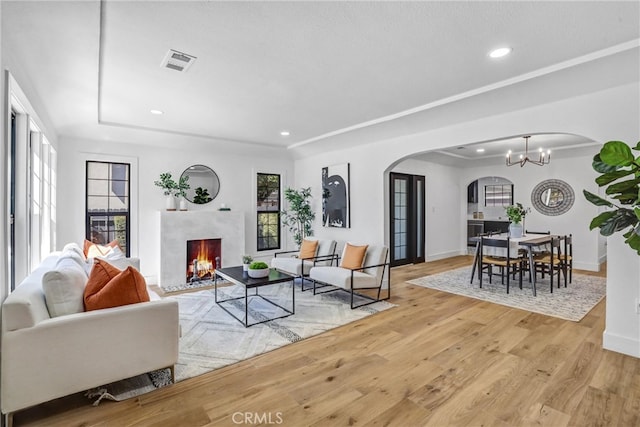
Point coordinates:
[(476, 227)]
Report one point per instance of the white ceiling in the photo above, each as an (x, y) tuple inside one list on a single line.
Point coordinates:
[(322, 70)]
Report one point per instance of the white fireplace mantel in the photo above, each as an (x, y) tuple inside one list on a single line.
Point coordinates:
[(176, 227)]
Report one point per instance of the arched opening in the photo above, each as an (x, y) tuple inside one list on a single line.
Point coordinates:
[(450, 171)]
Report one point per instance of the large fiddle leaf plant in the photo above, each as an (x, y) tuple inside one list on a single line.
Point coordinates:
[(620, 172)]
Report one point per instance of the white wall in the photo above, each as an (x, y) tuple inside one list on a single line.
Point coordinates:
[(622, 325), (4, 190), (442, 200), (576, 172), (608, 114), (237, 188)]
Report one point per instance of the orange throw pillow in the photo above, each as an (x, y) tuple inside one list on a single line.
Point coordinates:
[(109, 287), (98, 250), (308, 249), (353, 256)]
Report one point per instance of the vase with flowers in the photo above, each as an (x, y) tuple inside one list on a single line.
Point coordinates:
[(181, 191), (516, 214), (168, 186)]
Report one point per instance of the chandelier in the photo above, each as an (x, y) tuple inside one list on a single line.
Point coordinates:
[(543, 158)]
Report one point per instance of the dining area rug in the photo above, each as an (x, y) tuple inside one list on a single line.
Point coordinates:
[(570, 303)]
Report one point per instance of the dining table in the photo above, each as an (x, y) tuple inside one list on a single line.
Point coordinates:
[(528, 242)]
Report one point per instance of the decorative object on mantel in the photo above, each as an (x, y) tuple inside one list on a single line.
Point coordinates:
[(615, 161), (258, 269), (335, 196), (181, 191), (516, 214), (300, 216), (202, 196), (552, 197), (168, 186), (246, 260), (205, 184), (524, 158), (223, 207)]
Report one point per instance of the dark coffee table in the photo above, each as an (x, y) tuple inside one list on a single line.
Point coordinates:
[(239, 277)]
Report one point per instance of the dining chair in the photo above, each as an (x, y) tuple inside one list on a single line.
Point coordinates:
[(508, 265), (537, 232), (551, 262), (476, 258), (537, 251), (567, 255)]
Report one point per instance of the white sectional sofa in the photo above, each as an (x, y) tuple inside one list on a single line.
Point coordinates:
[(45, 357)]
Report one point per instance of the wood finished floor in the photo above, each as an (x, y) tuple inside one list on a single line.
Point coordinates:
[(437, 359)]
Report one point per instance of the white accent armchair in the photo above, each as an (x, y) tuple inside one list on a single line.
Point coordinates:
[(289, 262), (374, 274)]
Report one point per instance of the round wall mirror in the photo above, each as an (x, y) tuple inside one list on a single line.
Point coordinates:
[(552, 197), (204, 184)]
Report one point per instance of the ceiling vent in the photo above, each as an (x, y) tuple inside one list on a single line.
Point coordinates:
[(178, 61)]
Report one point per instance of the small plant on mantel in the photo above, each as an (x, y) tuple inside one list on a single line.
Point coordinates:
[(202, 196), (182, 186), (167, 183)]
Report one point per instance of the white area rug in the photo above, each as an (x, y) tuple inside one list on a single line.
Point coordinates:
[(211, 338), (570, 303)]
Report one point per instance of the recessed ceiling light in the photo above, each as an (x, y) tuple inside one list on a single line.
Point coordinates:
[(285, 133), (500, 52), (480, 150), (157, 112)]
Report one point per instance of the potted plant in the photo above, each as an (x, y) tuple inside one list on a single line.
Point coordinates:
[(614, 162), (246, 260), (516, 214), (300, 216), (168, 186), (258, 269), (202, 196), (181, 191)]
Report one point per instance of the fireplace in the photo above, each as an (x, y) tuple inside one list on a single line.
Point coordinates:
[(202, 257)]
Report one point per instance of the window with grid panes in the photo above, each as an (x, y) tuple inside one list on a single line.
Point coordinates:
[(268, 210), (108, 203)]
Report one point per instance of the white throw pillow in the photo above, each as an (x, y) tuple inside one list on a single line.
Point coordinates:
[(63, 288), (73, 255), (115, 257), (74, 247)]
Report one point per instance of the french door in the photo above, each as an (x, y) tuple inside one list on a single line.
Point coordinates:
[(407, 194)]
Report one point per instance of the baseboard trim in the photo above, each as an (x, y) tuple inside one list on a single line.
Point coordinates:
[(443, 255), (586, 266), (620, 344)]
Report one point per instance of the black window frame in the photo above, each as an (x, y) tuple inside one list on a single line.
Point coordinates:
[(260, 239), (505, 189), (90, 215)]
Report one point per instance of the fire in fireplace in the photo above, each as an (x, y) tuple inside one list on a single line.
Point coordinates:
[(201, 258)]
